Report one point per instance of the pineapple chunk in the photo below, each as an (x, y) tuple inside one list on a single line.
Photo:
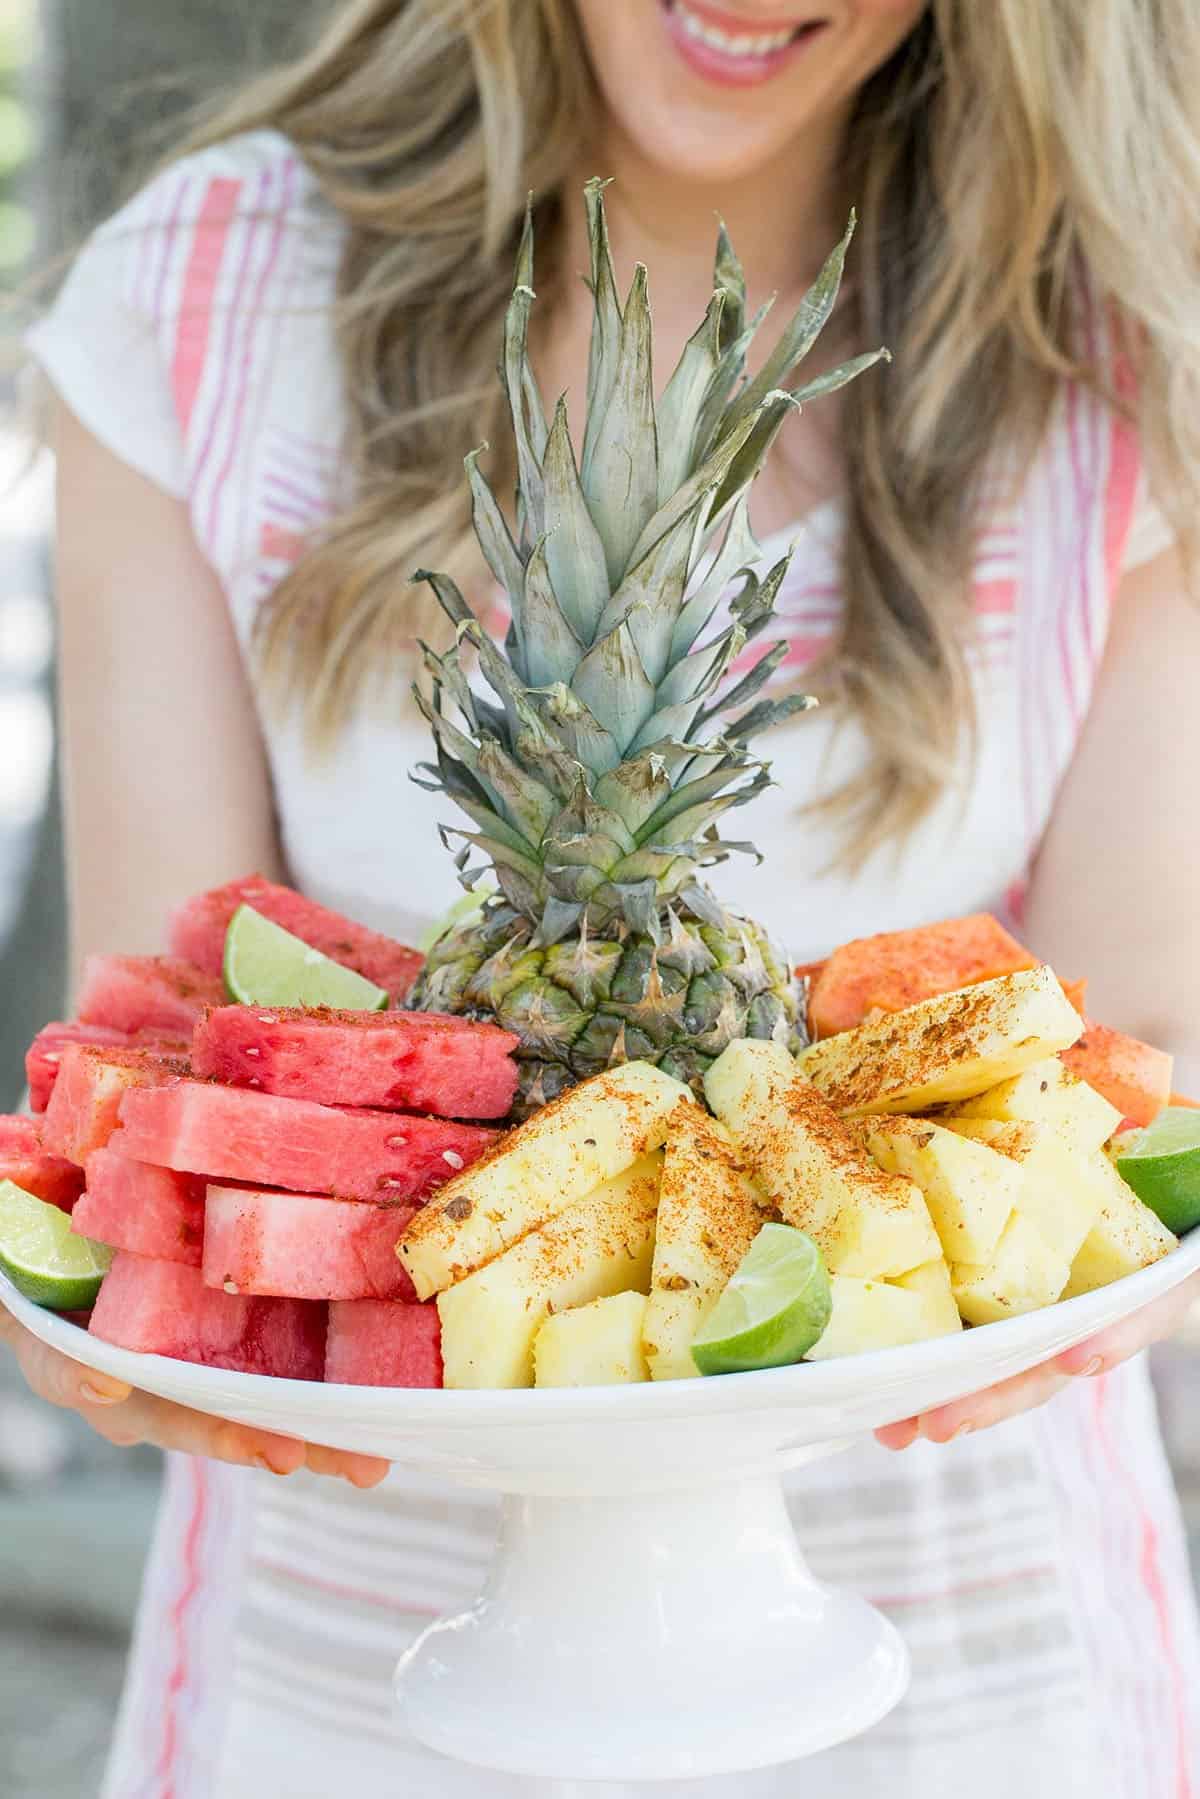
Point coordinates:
[(596, 1345), (708, 1216), (1023, 1275), (589, 1135), (878, 1315), (1057, 1195), (601, 1244), (1126, 1236), (815, 1168), (932, 1282), (1049, 1094), (944, 1049), (969, 1189)]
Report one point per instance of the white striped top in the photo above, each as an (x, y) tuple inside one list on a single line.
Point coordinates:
[(1037, 1571)]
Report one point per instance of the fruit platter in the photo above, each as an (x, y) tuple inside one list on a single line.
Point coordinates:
[(596, 1199)]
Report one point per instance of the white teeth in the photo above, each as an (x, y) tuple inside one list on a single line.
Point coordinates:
[(764, 44)]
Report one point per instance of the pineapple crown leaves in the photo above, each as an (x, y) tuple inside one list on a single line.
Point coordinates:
[(594, 776)]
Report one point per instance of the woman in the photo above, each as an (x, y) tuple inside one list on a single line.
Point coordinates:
[(269, 368)]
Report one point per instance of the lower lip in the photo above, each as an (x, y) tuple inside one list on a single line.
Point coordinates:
[(733, 71)]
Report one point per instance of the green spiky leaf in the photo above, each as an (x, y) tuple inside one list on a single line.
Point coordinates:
[(574, 552), (613, 684), (550, 649), (683, 400), (620, 479)]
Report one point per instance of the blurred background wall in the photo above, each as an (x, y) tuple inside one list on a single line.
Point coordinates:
[(89, 91)]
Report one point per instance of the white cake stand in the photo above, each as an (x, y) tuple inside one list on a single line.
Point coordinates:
[(648, 1614)]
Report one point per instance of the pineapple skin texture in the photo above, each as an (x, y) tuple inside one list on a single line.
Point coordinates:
[(559, 1155), (601, 1245), (945, 1049), (708, 1216), (596, 1345), (589, 1003)]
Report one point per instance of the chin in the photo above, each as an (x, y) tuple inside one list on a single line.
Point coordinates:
[(709, 152), (719, 90)]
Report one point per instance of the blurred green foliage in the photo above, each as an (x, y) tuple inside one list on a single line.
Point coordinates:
[(17, 134)]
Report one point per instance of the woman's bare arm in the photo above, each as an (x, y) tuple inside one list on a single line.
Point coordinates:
[(166, 782), (1116, 897), (168, 792), (1116, 890)]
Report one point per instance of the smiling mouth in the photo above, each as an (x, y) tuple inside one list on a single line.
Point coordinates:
[(750, 46)]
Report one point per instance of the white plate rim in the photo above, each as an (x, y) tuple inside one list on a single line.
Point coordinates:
[(1029, 1339)]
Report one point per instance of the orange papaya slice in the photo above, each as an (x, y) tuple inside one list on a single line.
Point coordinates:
[(1130, 1074), (899, 968), (1076, 992)]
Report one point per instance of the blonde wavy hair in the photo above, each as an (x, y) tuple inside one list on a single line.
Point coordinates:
[(1005, 153)]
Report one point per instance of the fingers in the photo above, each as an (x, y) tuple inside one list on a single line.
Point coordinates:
[(901, 1435), (144, 1418), (125, 1416), (57, 1378), (361, 1471), (1132, 1334), (978, 1411), (1095, 1356)]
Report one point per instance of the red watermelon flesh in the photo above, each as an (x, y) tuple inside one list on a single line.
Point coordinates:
[(1131, 1075), (379, 1343), (235, 1134), (25, 1162), (45, 1052), (198, 929), (152, 1211), (303, 1245), (147, 993), (85, 1105), (164, 1308), (419, 1061)]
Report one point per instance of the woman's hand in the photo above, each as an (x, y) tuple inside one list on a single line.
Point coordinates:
[(1097, 1356), (125, 1416)]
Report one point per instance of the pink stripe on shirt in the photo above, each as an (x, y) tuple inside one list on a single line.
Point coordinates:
[(245, 370), (179, 1624), (217, 212)]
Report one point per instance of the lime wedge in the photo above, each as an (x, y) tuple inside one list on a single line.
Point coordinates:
[(466, 907), (774, 1307), (267, 966), (1162, 1165), (43, 1258)]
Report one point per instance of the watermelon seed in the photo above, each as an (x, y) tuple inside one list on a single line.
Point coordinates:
[(250, 1051), (452, 1156), (396, 1142), (230, 1287)]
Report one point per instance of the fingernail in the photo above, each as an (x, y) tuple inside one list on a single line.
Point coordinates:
[(964, 1430), (260, 1461), (1095, 1366), (95, 1395)]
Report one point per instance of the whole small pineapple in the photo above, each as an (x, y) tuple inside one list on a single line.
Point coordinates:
[(595, 776)]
